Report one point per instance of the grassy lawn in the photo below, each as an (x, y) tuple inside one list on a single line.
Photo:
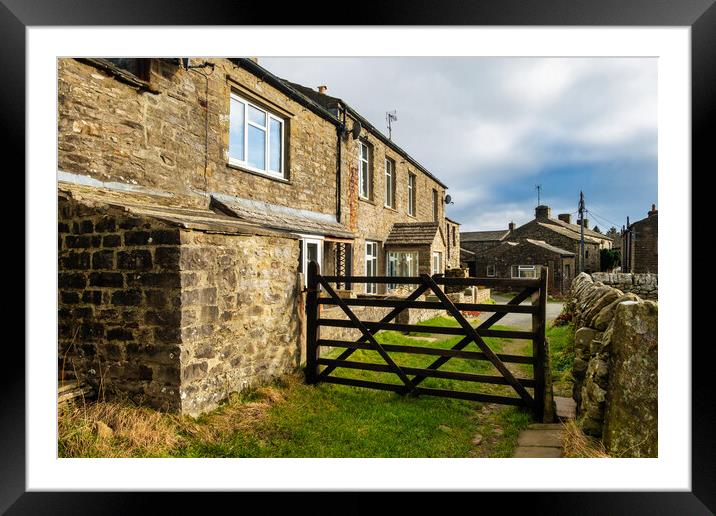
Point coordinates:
[(291, 419), (561, 346)]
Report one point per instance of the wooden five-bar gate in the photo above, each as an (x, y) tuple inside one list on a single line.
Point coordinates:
[(320, 369)]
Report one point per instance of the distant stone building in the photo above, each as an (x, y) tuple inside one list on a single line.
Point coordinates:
[(554, 243), (640, 244), (523, 259)]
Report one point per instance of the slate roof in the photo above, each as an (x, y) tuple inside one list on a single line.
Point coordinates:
[(483, 236), (156, 205), (412, 233), (545, 245), (569, 233), (280, 217), (576, 228)]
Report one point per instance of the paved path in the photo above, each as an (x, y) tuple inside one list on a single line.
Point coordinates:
[(544, 440), (521, 321)]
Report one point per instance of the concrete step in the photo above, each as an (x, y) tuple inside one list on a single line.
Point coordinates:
[(549, 438), (537, 452)]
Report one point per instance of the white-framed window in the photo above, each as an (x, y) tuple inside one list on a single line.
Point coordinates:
[(311, 249), (490, 271), (363, 170), (371, 265), (256, 138), (389, 183), (411, 194), (401, 264), (524, 271), (437, 262)]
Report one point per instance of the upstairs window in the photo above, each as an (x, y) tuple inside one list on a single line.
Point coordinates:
[(256, 138), (364, 189), (389, 183), (411, 194)]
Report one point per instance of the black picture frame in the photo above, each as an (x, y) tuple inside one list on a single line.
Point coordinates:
[(700, 15)]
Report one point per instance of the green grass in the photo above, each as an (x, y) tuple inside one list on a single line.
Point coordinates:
[(561, 346), (292, 419)]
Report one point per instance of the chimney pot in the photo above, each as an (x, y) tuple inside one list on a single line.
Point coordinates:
[(322, 89), (653, 211), (565, 217)]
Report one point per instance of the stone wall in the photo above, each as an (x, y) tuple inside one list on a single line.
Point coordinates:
[(239, 316), (643, 248), (171, 317), (615, 367), (644, 285), (112, 131), (119, 303)]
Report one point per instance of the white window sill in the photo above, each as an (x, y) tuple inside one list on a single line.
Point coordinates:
[(268, 175)]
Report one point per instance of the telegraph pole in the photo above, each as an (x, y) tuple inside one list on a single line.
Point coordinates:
[(581, 231)]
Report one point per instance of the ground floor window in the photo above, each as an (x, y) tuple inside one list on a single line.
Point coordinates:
[(311, 249), (524, 271), (437, 262), (401, 264), (371, 265), (490, 271)]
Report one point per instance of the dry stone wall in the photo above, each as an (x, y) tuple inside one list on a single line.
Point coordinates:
[(645, 285), (615, 367)]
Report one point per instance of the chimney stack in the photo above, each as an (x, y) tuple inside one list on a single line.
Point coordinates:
[(653, 211), (511, 226), (586, 223), (565, 217), (543, 212), (322, 89)]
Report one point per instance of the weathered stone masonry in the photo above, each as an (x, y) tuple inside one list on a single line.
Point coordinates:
[(616, 367), (172, 317)]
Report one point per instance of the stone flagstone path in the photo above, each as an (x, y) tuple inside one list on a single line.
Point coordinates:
[(544, 440)]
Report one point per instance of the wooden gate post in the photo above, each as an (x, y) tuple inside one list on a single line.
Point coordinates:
[(312, 330), (539, 343)]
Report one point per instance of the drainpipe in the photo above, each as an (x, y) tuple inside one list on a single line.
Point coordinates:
[(339, 134)]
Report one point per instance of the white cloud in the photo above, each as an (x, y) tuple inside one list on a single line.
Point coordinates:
[(483, 125)]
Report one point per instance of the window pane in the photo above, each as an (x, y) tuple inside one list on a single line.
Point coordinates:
[(257, 148), (275, 146), (257, 116), (364, 151), (236, 130), (364, 178)]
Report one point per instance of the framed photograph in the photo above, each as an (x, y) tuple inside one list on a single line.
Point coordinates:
[(411, 162)]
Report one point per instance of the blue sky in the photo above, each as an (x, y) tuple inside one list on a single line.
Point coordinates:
[(493, 128)]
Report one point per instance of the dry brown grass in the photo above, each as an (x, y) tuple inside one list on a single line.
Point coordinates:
[(136, 432), (143, 432), (578, 445)]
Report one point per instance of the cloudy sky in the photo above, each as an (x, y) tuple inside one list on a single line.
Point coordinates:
[(494, 128)]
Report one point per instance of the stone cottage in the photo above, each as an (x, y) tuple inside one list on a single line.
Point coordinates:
[(191, 195), (559, 233), (523, 259), (640, 244)]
